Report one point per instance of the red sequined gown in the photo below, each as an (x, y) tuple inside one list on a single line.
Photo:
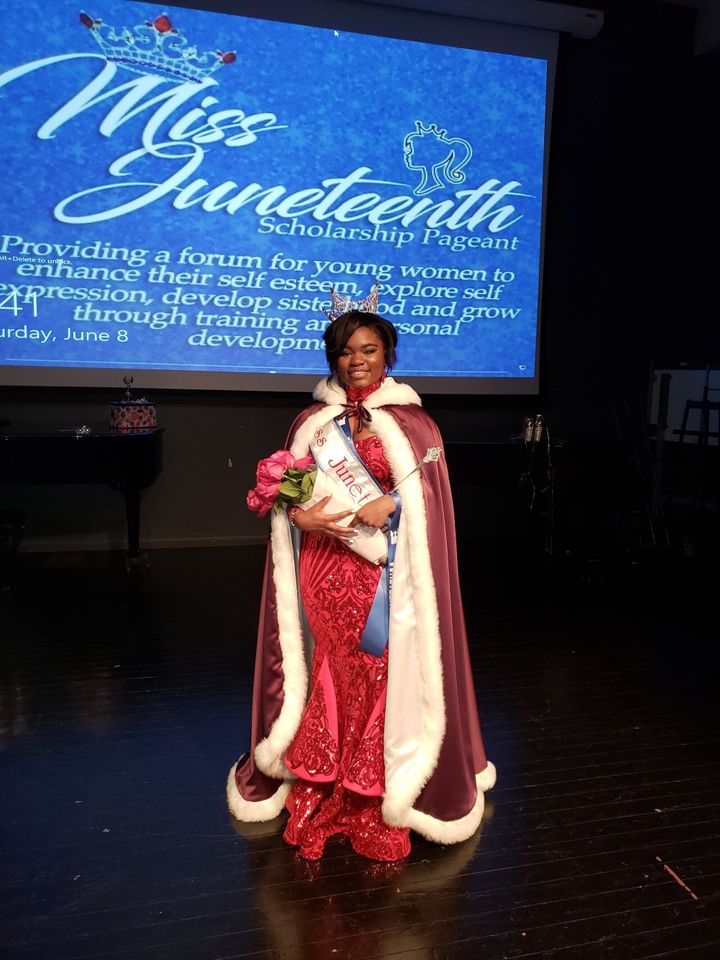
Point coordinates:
[(337, 753)]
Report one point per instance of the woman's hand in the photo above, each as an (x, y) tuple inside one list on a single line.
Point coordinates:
[(315, 520), (375, 513)]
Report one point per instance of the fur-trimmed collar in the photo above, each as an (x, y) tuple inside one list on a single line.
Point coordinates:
[(390, 392)]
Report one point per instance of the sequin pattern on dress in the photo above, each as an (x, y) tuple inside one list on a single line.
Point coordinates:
[(314, 751), (337, 589)]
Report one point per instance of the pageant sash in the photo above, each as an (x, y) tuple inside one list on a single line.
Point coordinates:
[(334, 453), (343, 476), (377, 629)]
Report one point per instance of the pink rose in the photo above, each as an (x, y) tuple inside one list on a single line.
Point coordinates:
[(271, 469), (262, 498), (269, 475), (267, 491), (254, 502)]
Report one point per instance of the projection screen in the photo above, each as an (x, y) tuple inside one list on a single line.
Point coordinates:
[(182, 187)]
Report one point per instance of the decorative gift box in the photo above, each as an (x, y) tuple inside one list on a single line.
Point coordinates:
[(129, 414), (133, 415)]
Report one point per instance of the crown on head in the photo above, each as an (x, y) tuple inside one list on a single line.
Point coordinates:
[(340, 304), (155, 46)]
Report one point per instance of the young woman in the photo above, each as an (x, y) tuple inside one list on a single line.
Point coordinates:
[(382, 737)]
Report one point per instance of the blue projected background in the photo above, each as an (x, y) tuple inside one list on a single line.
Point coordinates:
[(181, 190)]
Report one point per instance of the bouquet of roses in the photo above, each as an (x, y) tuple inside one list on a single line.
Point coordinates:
[(280, 479)]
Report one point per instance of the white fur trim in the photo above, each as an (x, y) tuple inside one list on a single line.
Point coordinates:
[(402, 789), (270, 752), (453, 831), (259, 810), (390, 391), (487, 778), (301, 442)]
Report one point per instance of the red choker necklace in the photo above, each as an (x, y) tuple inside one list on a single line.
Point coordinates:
[(356, 396)]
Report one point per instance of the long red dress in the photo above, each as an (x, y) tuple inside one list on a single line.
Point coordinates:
[(337, 753)]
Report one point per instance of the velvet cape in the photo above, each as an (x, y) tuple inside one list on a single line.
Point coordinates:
[(435, 764)]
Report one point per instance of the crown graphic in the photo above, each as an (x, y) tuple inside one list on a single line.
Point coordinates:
[(340, 304), (157, 47)]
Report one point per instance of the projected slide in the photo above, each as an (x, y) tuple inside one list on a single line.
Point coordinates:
[(181, 189)]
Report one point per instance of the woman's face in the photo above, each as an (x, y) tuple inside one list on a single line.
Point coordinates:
[(362, 360)]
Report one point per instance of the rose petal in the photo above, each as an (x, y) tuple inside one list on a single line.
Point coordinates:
[(258, 502), (283, 457), (267, 491)]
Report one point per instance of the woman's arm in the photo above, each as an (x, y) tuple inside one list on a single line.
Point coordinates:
[(375, 513), (315, 520)]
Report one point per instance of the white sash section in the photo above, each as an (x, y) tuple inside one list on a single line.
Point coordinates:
[(344, 477)]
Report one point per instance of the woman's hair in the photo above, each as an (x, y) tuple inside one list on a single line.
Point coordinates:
[(340, 331)]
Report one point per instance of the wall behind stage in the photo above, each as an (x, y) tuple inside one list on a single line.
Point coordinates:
[(627, 279)]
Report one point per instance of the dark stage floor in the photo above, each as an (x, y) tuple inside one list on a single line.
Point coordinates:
[(125, 700)]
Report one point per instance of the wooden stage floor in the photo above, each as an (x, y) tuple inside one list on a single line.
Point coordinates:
[(124, 700)]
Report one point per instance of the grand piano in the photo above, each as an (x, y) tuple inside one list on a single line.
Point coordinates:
[(32, 453)]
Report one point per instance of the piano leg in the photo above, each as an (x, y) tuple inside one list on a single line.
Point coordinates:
[(133, 558)]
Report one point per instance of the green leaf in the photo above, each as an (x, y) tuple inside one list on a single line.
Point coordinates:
[(288, 491), (308, 482), (294, 474)]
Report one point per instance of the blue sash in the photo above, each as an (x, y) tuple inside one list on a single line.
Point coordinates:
[(377, 629)]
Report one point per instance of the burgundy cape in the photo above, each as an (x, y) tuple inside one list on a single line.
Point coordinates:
[(435, 764)]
